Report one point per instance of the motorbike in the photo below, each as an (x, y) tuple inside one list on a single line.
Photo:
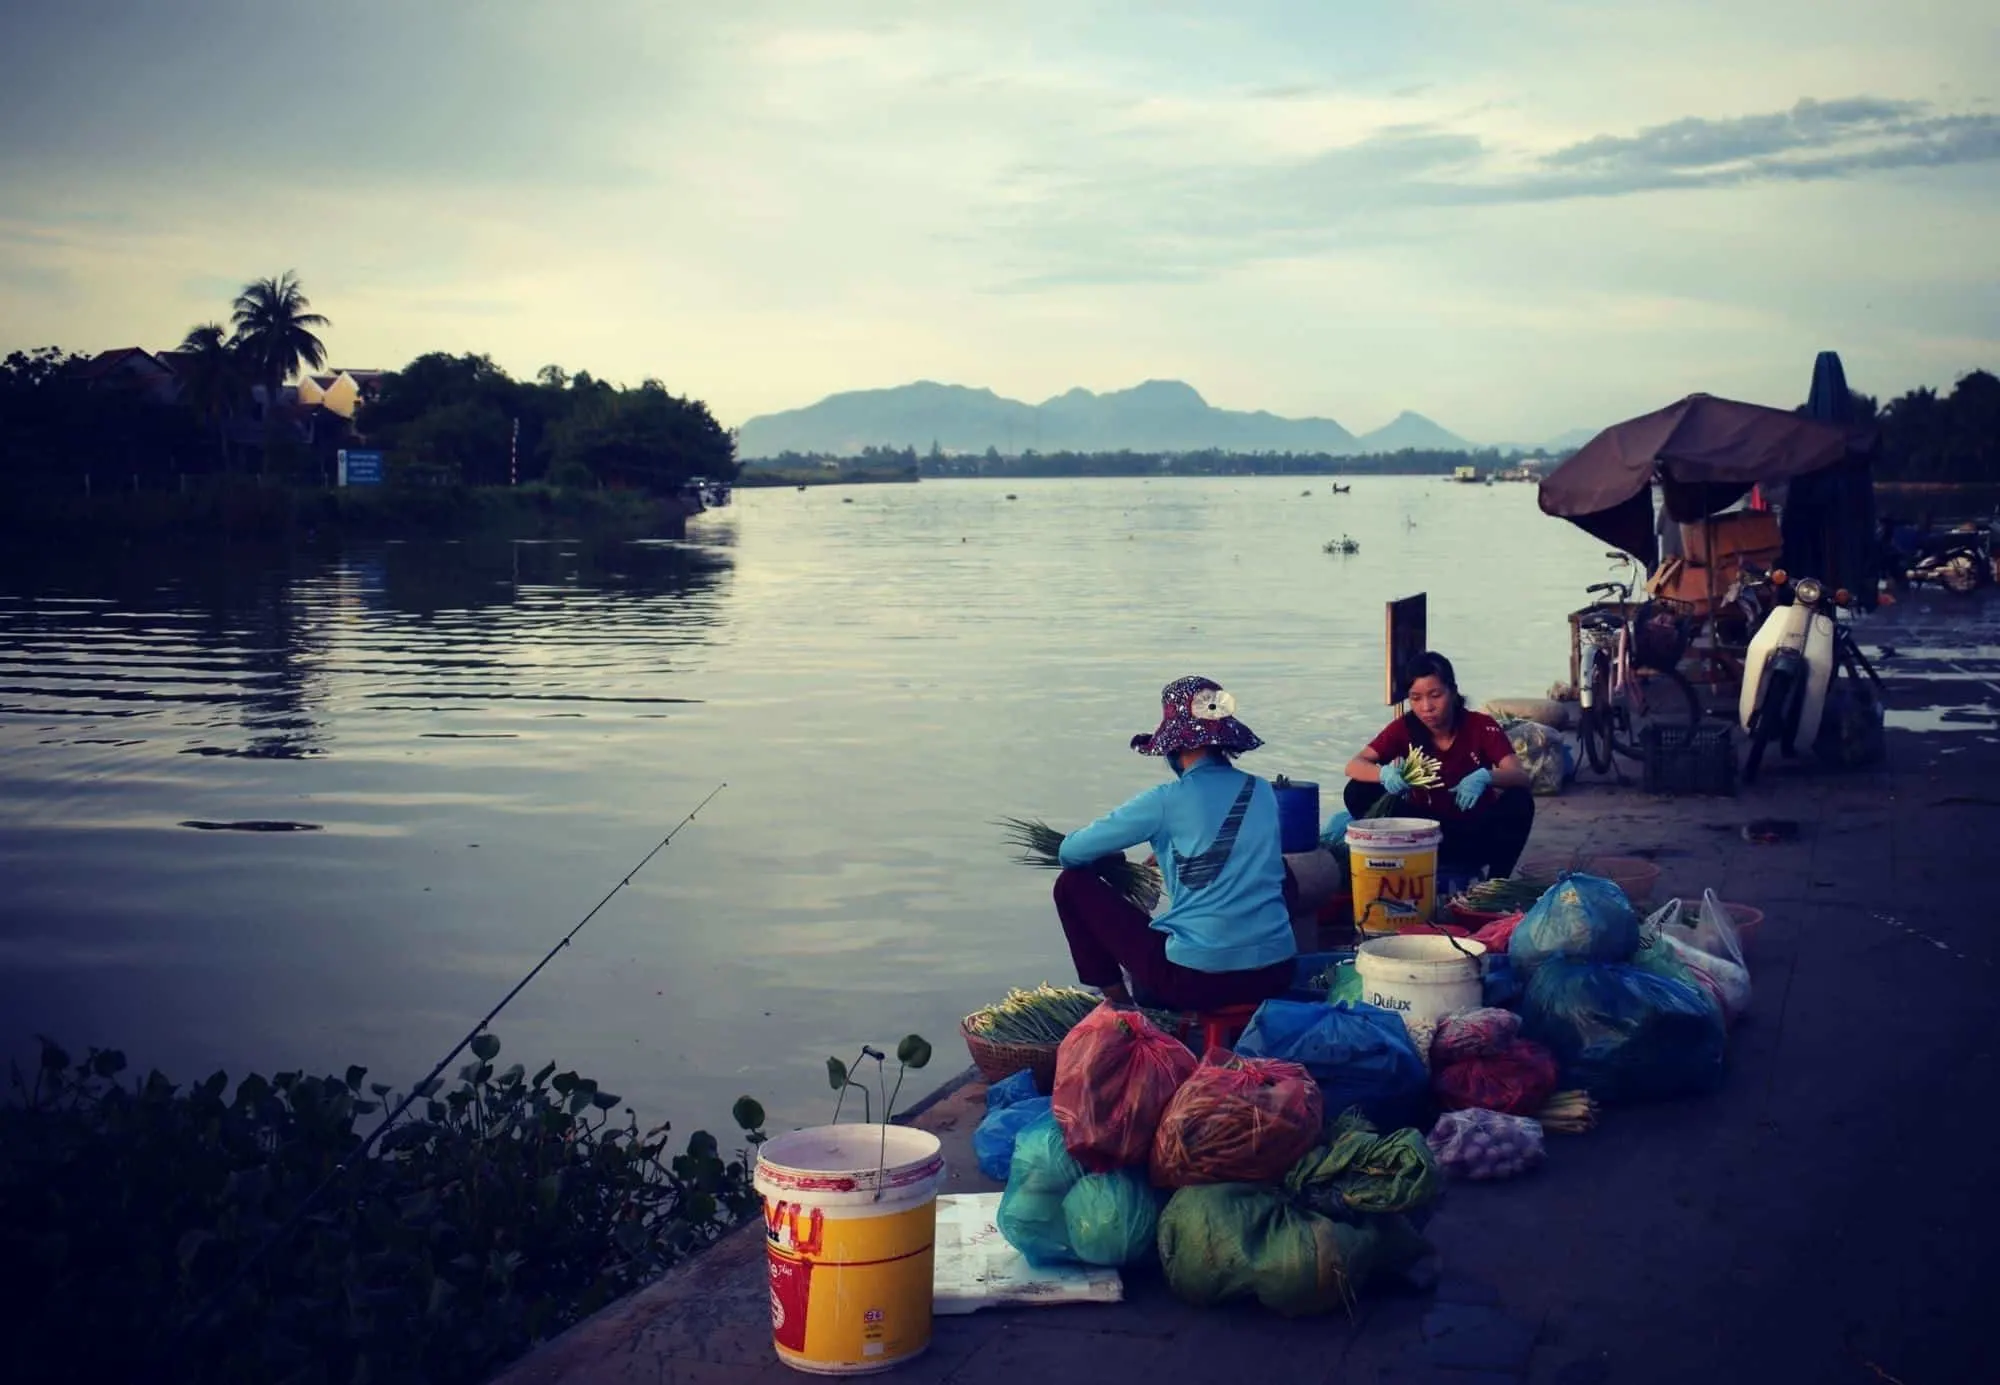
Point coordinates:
[(1789, 669), (1960, 560)]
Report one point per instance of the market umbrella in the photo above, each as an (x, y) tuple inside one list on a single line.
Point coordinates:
[(1829, 517), (1704, 451)]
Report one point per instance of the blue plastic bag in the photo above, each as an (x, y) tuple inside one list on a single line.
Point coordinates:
[(993, 1141), (1624, 1033), (1360, 1055), (1009, 1091), (1580, 916), (1031, 1210)]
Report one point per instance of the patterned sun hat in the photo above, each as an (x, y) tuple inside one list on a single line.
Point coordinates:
[(1196, 712)]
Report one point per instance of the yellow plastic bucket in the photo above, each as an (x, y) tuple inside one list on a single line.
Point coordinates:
[(1392, 867), (850, 1223)]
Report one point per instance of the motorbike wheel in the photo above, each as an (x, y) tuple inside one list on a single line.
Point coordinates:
[(1595, 727), (1771, 716), (1960, 574)]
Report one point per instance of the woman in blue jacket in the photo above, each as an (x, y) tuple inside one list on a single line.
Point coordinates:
[(1225, 937)]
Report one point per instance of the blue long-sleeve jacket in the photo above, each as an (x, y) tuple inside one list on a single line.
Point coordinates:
[(1215, 833)]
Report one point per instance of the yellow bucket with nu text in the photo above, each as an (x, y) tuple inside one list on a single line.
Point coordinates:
[(850, 1229), (1392, 864)]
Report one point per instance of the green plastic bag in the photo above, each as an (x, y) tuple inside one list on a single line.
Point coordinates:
[(1031, 1210), (1112, 1218), (1362, 1172), (1225, 1241), (1346, 985)]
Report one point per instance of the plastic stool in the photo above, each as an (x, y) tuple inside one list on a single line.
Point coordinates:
[(1221, 1027)]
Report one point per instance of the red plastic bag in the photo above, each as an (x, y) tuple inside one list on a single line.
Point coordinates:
[(1497, 934), (1237, 1120), (1519, 1080), (1115, 1073), (1473, 1034)]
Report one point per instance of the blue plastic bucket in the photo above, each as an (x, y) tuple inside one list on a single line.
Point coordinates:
[(1298, 817)]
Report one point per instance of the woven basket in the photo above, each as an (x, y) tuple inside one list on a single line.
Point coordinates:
[(998, 1061)]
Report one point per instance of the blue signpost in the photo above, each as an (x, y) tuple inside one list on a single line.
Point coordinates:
[(360, 468)]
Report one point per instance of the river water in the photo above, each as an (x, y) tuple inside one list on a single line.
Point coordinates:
[(484, 738)]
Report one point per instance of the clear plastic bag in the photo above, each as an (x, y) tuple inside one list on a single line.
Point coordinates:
[(1709, 946), (1483, 1145)]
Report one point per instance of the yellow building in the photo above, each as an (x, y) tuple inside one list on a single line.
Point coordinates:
[(340, 391)]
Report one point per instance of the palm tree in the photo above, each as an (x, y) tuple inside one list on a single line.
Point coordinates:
[(274, 334), (214, 382)]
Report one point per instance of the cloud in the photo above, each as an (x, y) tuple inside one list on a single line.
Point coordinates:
[(1170, 223)]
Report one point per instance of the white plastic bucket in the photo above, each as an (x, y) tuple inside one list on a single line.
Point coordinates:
[(850, 1222), (1422, 978), (1392, 866)]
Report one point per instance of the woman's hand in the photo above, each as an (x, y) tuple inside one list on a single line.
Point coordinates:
[(1471, 789), (1393, 782)]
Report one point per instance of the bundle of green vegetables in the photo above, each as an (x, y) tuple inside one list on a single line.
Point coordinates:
[(1419, 771), (1505, 895), (1044, 1015), (1137, 882)]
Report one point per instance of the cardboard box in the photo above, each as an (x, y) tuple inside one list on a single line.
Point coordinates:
[(1720, 540)]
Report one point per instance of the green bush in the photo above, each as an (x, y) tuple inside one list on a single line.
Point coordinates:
[(491, 1217)]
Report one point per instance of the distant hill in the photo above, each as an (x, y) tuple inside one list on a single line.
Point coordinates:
[(1408, 430), (1159, 415)]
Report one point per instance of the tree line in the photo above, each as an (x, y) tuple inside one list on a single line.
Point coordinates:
[(441, 419), (1939, 438)]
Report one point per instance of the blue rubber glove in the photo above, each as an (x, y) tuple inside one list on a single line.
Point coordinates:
[(1393, 782), (1334, 834), (1471, 788)]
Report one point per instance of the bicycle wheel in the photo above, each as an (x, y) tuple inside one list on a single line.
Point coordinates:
[(1595, 729)]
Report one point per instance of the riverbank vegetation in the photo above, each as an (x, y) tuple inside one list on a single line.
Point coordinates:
[(1931, 437), (195, 422), (149, 1230)]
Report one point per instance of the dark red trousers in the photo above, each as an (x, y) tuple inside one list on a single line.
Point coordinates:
[(1110, 939)]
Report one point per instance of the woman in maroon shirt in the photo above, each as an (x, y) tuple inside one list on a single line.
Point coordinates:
[(1484, 806)]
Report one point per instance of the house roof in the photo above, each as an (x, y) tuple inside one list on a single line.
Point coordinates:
[(105, 363)]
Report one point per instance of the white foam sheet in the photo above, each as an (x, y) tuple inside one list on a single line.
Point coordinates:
[(976, 1268)]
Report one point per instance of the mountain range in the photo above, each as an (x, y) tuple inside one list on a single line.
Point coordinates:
[(1157, 416)]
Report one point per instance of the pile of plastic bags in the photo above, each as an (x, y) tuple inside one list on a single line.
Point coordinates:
[(1227, 1169)]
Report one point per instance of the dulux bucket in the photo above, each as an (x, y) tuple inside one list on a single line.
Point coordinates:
[(850, 1222), (1392, 864), (1298, 816), (1421, 977)]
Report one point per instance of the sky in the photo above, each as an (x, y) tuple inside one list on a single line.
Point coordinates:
[(1517, 219)]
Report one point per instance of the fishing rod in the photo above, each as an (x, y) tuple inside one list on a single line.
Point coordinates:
[(194, 1323)]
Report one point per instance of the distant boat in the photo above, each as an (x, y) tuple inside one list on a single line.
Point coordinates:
[(1012, 496), (1343, 544), (1340, 490), (802, 486)]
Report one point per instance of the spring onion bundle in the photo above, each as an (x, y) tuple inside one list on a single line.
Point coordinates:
[(1419, 771), (1044, 1015), (1137, 882)]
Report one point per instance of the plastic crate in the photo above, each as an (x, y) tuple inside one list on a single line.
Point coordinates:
[(1690, 760)]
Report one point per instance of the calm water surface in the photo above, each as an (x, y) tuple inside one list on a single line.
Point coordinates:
[(487, 737)]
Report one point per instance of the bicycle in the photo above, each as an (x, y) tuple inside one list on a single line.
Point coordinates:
[(1627, 677)]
